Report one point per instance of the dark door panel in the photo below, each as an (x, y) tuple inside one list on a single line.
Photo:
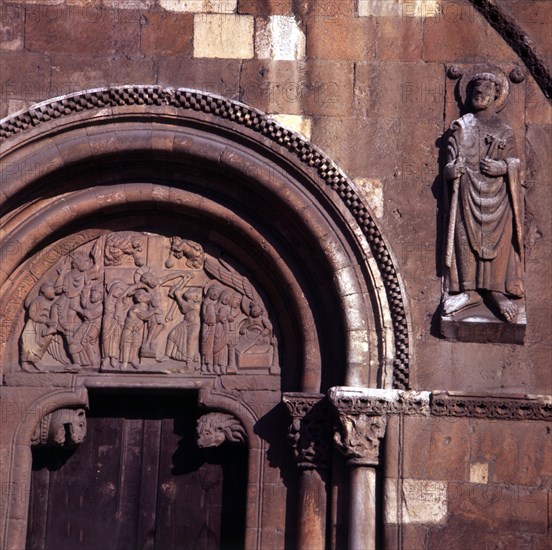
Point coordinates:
[(138, 481)]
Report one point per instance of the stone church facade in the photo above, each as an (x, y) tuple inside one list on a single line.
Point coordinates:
[(275, 274)]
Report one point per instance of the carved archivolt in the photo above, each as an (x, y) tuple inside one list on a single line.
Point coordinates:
[(130, 301), (185, 104)]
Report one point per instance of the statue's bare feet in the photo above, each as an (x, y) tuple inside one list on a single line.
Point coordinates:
[(506, 307), (458, 302)]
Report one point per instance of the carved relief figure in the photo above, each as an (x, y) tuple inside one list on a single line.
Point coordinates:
[(183, 340), (113, 322), (484, 252), (85, 346), (209, 321), (39, 328), (255, 335), (182, 248), (119, 245), (152, 283), (133, 331), (232, 336), (71, 284), (222, 329)]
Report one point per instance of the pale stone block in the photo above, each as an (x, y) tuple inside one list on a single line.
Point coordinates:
[(398, 8), (43, 2), (424, 501), (12, 45), (479, 472), (223, 36), (300, 124), (200, 6), (372, 190), (129, 4), (16, 105), (279, 38), (390, 497)]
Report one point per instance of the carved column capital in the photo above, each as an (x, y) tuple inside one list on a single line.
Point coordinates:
[(362, 414), (359, 436), (310, 432), (61, 428)]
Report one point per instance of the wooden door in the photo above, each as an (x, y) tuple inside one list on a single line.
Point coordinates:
[(138, 481)]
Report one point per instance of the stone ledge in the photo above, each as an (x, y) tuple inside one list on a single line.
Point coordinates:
[(480, 325)]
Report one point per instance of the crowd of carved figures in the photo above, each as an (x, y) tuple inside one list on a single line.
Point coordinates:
[(116, 304)]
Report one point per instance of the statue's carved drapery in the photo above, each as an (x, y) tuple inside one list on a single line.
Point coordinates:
[(484, 187)]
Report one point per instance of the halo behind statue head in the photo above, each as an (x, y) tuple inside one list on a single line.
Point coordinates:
[(486, 73)]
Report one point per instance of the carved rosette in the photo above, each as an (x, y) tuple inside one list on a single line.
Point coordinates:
[(310, 432), (62, 428)]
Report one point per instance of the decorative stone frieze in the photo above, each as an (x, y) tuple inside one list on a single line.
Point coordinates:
[(489, 407), (310, 433), (375, 401), (128, 301)]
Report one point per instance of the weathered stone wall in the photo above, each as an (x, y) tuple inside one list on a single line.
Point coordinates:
[(470, 483), (365, 81)]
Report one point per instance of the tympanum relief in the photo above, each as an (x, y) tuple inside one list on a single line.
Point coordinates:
[(139, 302)]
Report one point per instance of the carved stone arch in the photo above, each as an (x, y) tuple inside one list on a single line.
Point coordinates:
[(64, 152), (219, 400), (17, 504)]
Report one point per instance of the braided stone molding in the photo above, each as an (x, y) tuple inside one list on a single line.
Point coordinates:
[(507, 26), (185, 99), (499, 408)]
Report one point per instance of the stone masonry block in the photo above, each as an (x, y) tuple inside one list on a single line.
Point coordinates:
[(280, 38), (345, 39), (199, 6), (224, 36), (167, 33)]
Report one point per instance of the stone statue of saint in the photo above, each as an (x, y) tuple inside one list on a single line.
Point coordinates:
[(484, 254)]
